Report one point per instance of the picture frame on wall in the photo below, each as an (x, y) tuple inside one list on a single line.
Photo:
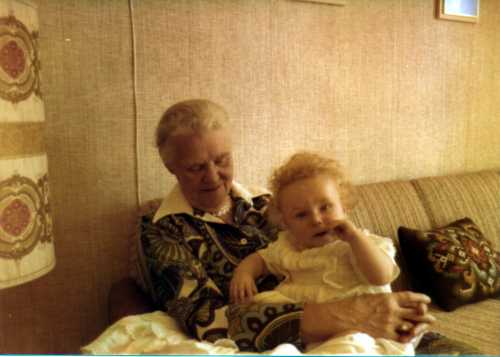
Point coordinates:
[(328, 2), (458, 10)]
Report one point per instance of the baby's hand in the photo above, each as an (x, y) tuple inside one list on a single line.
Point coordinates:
[(242, 287), (345, 230)]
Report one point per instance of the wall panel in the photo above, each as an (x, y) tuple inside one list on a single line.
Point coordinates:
[(384, 86)]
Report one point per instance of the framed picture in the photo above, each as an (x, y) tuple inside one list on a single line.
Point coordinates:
[(458, 10), (329, 2)]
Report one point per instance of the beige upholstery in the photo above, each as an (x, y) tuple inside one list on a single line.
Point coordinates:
[(435, 201), (476, 196), (476, 324)]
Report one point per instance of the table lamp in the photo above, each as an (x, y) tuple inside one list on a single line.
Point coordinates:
[(26, 240)]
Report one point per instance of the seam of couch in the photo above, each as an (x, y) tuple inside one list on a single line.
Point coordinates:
[(423, 201)]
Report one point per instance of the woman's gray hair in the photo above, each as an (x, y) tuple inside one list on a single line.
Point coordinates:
[(189, 116)]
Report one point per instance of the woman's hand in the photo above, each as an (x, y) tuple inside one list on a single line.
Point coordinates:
[(242, 287), (397, 316)]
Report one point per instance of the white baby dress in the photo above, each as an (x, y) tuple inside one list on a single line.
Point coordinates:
[(324, 274)]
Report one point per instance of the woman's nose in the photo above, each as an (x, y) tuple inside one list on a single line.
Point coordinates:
[(212, 173)]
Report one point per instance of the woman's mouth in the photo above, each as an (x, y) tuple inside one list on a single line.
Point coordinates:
[(210, 189)]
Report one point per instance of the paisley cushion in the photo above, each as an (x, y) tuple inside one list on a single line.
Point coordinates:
[(454, 264)]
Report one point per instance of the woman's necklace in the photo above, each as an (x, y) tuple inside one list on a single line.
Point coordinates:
[(224, 210)]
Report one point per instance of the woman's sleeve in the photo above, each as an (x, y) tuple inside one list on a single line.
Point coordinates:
[(180, 284), (181, 287), (262, 327)]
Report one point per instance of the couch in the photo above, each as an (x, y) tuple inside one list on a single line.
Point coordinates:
[(421, 205)]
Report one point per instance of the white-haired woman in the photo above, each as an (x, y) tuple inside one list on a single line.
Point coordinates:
[(208, 223)]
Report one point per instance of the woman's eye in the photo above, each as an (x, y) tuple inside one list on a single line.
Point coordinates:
[(195, 168), (222, 161), (300, 215)]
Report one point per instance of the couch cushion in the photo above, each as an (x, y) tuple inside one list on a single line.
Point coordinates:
[(454, 264), (475, 324), (383, 207), (475, 195)]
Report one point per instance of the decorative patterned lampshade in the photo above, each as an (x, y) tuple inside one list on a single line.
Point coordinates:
[(26, 241)]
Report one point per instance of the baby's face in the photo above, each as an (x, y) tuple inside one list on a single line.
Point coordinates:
[(309, 209)]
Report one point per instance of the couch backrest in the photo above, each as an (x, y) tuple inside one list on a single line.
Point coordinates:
[(429, 203), (421, 204)]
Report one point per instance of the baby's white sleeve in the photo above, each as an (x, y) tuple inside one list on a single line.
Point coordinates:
[(272, 257), (387, 246)]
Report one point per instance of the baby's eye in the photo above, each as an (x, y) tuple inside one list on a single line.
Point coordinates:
[(326, 207)]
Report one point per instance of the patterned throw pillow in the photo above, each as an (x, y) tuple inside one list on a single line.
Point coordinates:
[(454, 265)]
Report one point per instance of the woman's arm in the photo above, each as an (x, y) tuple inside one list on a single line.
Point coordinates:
[(379, 315), (264, 326)]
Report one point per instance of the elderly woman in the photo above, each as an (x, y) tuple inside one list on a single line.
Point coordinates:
[(208, 223)]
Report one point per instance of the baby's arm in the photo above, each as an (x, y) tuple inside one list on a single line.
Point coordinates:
[(376, 266), (243, 287)]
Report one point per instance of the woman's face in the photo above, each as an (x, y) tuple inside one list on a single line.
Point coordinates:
[(203, 165)]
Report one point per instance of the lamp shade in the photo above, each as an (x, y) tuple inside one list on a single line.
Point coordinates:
[(26, 240)]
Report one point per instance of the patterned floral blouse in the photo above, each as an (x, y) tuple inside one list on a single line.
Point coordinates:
[(191, 255)]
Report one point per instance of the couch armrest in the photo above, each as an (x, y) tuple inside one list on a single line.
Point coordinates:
[(126, 298)]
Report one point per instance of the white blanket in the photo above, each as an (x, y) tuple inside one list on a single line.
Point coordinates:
[(157, 333)]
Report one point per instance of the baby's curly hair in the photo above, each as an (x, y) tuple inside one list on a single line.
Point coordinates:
[(304, 165)]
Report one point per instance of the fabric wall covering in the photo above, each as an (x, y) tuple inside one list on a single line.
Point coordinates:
[(26, 241), (383, 85)]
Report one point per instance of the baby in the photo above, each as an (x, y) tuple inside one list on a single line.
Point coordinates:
[(321, 253)]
